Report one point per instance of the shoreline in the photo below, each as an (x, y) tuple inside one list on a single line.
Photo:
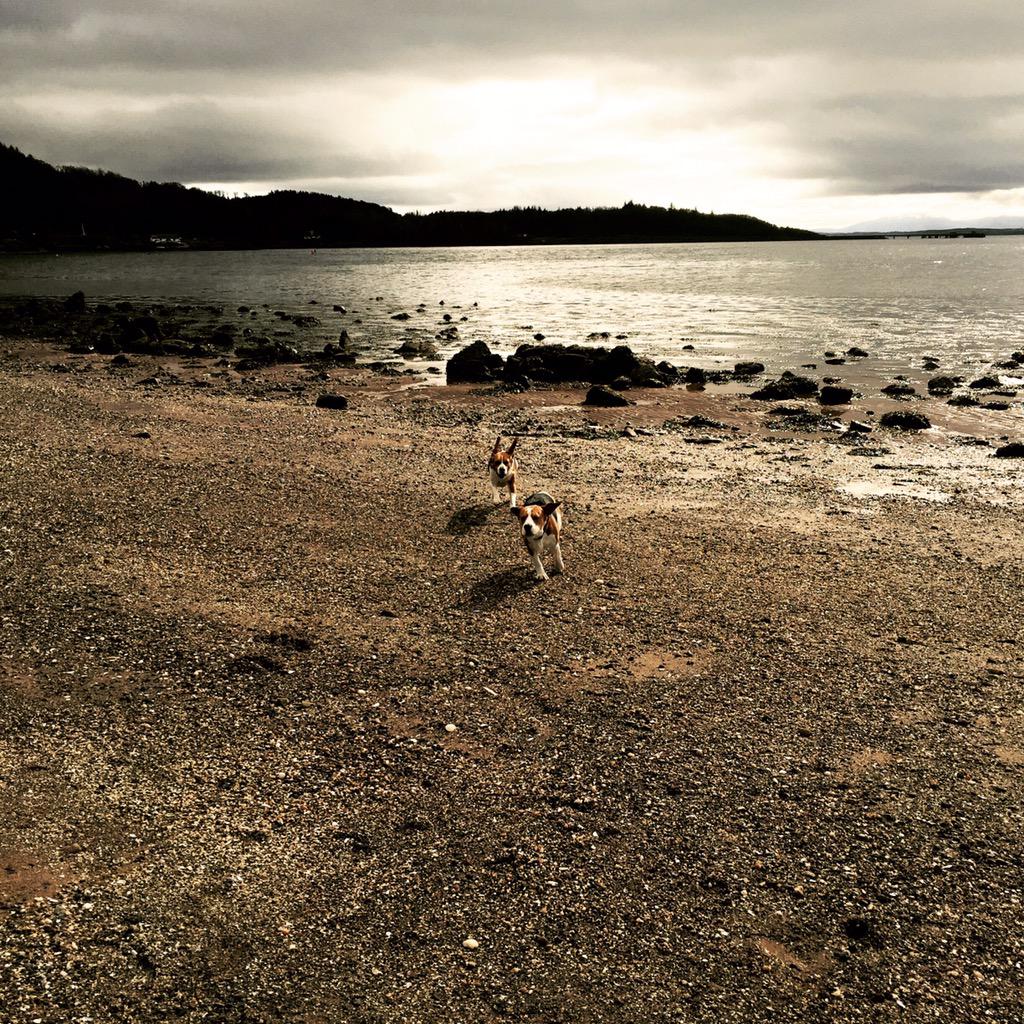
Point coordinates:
[(980, 398), (756, 756), (534, 244)]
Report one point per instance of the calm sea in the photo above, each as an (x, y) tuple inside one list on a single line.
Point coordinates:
[(783, 303)]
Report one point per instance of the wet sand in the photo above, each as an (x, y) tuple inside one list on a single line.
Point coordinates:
[(757, 755)]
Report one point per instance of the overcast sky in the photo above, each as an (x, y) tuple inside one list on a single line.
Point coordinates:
[(818, 114)]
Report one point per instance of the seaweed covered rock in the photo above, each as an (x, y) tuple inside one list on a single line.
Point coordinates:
[(899, 389), (263, 352), (75, 303), (944, 385), (559, 364), (418, 348), (337, 354), (604, 396), (645, 374), (789, 385), (149, 326), (748, 369), (474, 364), (696, 422), (584, 364), (331, 401), (1013, 450), (905, 420), (833, 394), (222, 339), (106, 344)]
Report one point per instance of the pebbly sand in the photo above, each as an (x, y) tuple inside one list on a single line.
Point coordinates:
[(757, 756)]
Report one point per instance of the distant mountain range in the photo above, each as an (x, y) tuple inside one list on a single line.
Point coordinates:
[(913, 225), (65, 208)]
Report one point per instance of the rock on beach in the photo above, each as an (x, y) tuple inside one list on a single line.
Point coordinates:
[(788, 386), (601, 395), (905, 420)]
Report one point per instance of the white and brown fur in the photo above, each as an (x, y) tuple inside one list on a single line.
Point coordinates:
[(540, 520), (501, 470)]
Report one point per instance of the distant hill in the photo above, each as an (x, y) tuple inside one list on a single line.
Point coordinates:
[(916, 225), (46, 207)]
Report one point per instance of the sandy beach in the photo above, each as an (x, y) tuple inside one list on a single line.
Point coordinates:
[(756, 756)]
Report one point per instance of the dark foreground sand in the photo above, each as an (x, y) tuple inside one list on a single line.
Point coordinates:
[(758, 756)]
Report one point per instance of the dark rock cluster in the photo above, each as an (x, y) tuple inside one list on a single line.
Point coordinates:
[(602, 395), (944, 385), (559, 364), (1014, 450), (475, 364), (832, 394), (788, 386), (195, 331), (903, 419)]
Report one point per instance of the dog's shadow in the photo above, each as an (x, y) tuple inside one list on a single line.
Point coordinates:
[(500, 587), (472, 517)]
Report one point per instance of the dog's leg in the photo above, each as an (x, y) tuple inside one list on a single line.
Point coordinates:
[(495, 494), (559, 564), (538, 566), (512, 490)]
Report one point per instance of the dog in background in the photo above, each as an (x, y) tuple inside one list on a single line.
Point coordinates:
[(501, 470), (540, 520)]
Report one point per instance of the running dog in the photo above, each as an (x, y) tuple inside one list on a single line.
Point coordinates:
[(501, 470), (540, 520)]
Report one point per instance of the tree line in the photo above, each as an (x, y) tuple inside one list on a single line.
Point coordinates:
[(47, 207)]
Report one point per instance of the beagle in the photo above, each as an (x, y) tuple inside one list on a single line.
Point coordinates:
[(540, 519), (501, 470)]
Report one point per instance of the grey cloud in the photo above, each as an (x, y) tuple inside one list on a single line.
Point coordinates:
[(197, 141), (840, 123), (317, 35), (915, 144), (34, 15)]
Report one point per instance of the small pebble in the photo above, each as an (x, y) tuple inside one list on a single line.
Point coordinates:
[(470, 943), (450, 727)]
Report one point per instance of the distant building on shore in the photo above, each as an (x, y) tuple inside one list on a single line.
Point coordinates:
[(168, 242)]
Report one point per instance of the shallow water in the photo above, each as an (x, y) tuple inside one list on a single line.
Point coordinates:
[(783, 303), (893, 489)]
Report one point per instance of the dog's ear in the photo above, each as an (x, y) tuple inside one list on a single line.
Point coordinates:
[(516, 511), (497, 446), (549, 508), (512, 446)]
